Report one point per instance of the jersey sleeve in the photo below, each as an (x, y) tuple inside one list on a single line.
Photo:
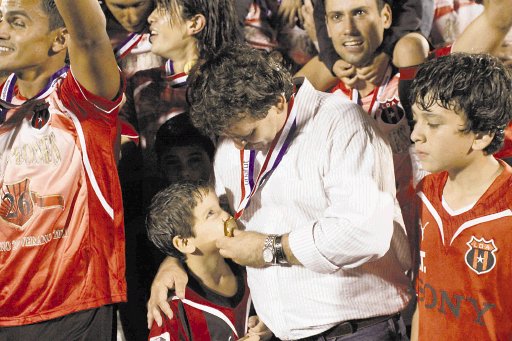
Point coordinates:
[(88, 106)]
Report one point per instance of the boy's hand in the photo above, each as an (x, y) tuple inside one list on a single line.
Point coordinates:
[(170, 275), (374, 73), (244, 248), (345, 72), (258, 331)]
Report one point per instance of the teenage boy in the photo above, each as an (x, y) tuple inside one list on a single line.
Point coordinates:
[(61, 223), (182, 152), (462, 104), (184, 222)]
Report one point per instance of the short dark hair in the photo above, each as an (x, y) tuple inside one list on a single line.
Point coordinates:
[(178, 131), (239, 82), (54, 17), (171, 213), (222, 25), (476, 85), (380, 3)]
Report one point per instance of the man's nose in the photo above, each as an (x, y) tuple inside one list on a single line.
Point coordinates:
[(349, 27), (131, 17)]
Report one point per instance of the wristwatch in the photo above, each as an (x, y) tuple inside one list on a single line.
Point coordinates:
[(269, 250), (280, 255)]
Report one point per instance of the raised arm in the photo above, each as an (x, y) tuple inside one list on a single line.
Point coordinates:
[(486, 33), (90, 52)]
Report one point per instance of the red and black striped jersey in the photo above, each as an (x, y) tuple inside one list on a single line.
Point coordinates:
[(205, 315)]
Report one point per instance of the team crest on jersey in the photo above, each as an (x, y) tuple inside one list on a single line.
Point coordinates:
[(17, 205), (390, 111), (480, 257)]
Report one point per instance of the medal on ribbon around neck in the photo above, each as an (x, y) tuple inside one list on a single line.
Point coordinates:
[(189, 65), (229, 226)]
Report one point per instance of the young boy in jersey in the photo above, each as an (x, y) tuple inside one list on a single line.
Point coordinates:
[(184, 221), (462, 104)]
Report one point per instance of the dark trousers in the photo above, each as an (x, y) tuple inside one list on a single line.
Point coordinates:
[(391, 329), (94, 324)]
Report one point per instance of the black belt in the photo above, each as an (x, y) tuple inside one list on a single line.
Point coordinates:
[(350, 327)]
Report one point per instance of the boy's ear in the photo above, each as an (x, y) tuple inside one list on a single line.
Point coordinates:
[(482, 140), (196, 24), (183, 245), (60, 41)]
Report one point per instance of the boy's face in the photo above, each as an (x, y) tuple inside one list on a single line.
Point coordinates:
[(258, 134), (24, 39), (356, 28), (131, 14), (185, 163), (439, 139), (209, 220)]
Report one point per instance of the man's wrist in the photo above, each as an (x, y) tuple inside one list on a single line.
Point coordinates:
[(280, 256)]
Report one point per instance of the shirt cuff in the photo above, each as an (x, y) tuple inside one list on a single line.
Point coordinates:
[(302, 244)]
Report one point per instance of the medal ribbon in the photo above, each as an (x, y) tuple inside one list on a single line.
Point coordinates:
[(274, 156), (376, 94), (176, 80), (127, 45), (7, 94)]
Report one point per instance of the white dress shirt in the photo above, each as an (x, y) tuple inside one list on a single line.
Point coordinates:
[(334, 192)]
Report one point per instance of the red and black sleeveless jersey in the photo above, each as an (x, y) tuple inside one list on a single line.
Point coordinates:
[(205, 315)]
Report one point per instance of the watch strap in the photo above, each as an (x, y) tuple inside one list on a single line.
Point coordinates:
[(280, 256)]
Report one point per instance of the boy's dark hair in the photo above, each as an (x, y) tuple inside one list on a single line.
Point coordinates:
[(222, 25), (239, 82), (178, 131), (54, 17), (171, 213), (476, 85)]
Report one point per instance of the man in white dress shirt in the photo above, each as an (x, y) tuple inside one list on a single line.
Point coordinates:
[(311, 181)]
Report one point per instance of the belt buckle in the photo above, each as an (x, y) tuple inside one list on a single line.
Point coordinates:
[(342, 329)]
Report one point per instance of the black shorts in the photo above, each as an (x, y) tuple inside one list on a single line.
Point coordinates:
[(94, 324)]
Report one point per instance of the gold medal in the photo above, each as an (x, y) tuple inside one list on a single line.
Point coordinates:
[(229, 226), (189, 65)]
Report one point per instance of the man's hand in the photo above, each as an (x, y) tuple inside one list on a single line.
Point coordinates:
[(170, 275), (258, 331), (309, 21), (289, 10), (244, 248)]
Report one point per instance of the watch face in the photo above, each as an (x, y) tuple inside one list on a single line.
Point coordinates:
[(268, 255)]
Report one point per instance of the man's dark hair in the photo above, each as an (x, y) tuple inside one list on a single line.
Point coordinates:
[(222, 25), (171, 213), (380, 3), (54, 17), (178, 131), (475, 85), (239, 82)]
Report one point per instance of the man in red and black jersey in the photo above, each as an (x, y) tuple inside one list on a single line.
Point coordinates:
[(61, 222)]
